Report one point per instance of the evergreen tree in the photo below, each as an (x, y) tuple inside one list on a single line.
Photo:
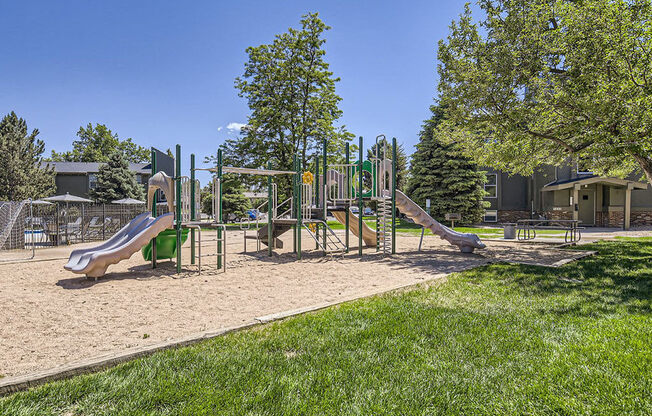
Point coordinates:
[(21, 174), (445, 175), (234, 202), (401, 160), (116, 181)]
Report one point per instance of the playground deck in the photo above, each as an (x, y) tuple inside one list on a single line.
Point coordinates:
[(50, 317)]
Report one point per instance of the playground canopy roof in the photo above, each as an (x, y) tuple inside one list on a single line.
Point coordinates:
[(251, 171)]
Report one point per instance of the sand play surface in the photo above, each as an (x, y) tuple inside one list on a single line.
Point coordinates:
[(50, 317)]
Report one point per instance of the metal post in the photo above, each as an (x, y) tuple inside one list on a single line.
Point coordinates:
[(360, 177), (317, 191), (104, 223), (58, 234), (154, 214), (295, 190), (177, 201), (393, 195), (270, 202), (299, 224), (192, 209), (325, 186), (348, 197), (218, 215), (81, 227)]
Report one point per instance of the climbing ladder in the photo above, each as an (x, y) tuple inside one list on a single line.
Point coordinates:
[(384, 226), (332, 245)]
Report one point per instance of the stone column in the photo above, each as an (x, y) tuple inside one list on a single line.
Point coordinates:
[(576, 201), (628, 206)]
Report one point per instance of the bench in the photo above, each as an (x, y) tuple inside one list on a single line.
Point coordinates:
[(526, 229)]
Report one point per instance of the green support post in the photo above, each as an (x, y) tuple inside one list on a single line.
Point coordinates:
[(299, 224), (270, 212), (348, 196), (317, 199), (294, 203), (218, 215), (177, 201), (154, 213), (393, 195), (360, 204), (192, 208), (324, 185)]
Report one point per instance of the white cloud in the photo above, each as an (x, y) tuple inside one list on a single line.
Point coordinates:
[(220, 128), (233, 126)]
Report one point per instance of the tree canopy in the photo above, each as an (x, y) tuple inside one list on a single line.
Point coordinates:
[(544, 81), (116, 181), (22, 175), (443, 173), (97, 143), (291, 93)]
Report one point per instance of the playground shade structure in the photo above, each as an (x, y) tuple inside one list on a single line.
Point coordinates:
[(94, 261), (368, 235)]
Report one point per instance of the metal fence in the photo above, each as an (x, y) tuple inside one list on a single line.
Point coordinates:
[(54, 225)]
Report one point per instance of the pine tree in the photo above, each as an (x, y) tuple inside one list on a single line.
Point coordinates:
[(116, 181), (234, 202), (22, 175), (445, 175)]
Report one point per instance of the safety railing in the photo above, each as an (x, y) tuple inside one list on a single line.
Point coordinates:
[(288, 211), (307, 201), (186, 198), (338, 182)]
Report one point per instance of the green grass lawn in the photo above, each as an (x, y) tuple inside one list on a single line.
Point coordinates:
[(500, 339)]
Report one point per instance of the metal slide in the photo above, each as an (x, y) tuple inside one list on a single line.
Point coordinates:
[(368, 235), (94, 261), (467, 242)]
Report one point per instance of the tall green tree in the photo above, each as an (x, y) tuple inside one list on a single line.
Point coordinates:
[(540, 81), (22, 173), (97, 143), (385, 145), (443, 173), (116, 181), (234, 202), (291, 93)]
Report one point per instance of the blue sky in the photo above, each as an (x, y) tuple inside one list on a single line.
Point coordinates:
[(162, 72)]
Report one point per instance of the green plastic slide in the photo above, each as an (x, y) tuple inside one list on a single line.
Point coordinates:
[(166, 245)]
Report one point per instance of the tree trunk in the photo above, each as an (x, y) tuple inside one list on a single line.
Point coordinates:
[(646, 164)]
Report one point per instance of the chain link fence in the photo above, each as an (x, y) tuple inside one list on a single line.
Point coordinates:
[(26, 226)]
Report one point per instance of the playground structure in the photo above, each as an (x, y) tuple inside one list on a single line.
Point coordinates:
[(336, 188)]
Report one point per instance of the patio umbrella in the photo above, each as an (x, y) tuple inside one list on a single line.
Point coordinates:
[(66, 198), (128, 201), (41, 202)]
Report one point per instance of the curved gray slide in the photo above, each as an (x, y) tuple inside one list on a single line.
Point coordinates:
[(467, 242), (94, 261)]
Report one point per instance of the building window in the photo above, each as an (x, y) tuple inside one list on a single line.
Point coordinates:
[(491, 186), (92, 181), (139, 178), (491, 216), (584, 166)]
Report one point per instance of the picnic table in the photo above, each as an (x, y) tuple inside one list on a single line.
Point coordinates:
[(526, 229)]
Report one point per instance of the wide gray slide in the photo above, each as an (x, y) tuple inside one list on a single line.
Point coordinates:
[(94, 261), (467, 242)]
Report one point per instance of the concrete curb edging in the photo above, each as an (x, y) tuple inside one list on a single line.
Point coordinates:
[(19, 383)]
